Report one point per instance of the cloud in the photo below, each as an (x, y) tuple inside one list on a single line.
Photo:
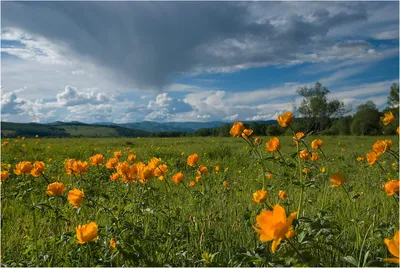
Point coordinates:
[(10, 104), (72, 97)]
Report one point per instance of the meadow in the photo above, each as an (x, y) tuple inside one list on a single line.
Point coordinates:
[(201, 217)]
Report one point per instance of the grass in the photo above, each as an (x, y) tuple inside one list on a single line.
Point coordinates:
[(160, 223)]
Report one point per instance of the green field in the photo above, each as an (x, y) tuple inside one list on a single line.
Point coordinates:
[(162, 223)]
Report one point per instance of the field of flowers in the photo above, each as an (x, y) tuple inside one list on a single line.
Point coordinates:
[(239, 201)]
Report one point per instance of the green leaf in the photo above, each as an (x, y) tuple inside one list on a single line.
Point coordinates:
[(350, 260)]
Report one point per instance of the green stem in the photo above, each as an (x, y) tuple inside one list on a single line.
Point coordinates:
[(347, 193), (297, 251), (35, 232), (47, 180), (91, 264), (393, 154), (301, 183), (379, 164)]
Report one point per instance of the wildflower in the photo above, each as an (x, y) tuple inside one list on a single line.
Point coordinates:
[(198, 178), (387, 118), (38, 168), (371, 158), (55, 188), (112, 162), (237, 129), (118, 154), (23, 138), (379, 147), (322, 169), (273, 144), (160, 170), (247, 133), (81, 167), (183, 153), (192, 184), (192, 159), (360, 158), (97, 159), (24, 167), (274, 225), (86, 233), (269, 175), (37, 136), (392, 187), (260, 196), (337, 179), (114, 176), (282, 194), (304, 154), (4, 175), (217, 168), (389, 144), (154, 163), (113, 243), (398, 130), (393, 247), (315, 144), (178, 178), (306, 170), (258, 141), (202, 170), (286, 119), (75, 197), (314, 156), (131, 158), (298, 137), (226, 183), (145, 174)]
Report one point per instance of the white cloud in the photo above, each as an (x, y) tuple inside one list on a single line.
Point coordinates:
[(72, 97)]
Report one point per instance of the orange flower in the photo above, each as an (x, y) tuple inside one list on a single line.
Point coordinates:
[(87, 233), (298, 137), (247, 133), (192, 159), (282, 194), (226, 183), (161, 170), (314, 156), (113, 243), (258, 140), (81, 167), (178, 178), (337, 179), (145, 174), (275, 226), (387, 118), (202, 170), (198, 178), (392, 187), (217, 168), (192, 184), (379, 147), (5, 143), (315, 144), (38, 168), (75, 197), (269, 175), (398, 130), (286, 119), (260, 196), (131, 158), (154, 163), (4, 175), (55, 188), (273, 144), (24, 167), (371, 158), (114, 176), (393, 247), (112, 162), (360, 158), (118, 154), (306, 170), (389, 144), (237, 129), (97, 159), (304, 154)]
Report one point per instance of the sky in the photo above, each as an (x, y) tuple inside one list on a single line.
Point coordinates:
[(128, 62)]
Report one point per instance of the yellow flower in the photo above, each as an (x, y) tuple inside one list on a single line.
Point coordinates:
[(393, 247), (282, 194), (202, 170), (392, 187), (192, 184), (154, 163), (237, 129), (145, 174), (260, 196), (306, 170), (97, 159), (4, 175), (112, 162), (371, 158), (274, 225), (273, 144), (226, 183), (286, 119), (298, 137), (360, 158), (75, 197), (86, 233), (247, 133), (161, 170), (322, 169), (178, 178), (337, 179), (24, 167), (304, 154), (55, 188), (192, 159), (131, 158), (387, 118), (113, 243), (379, 147), (315, 144), (183, 153), (314, 156), (118, 154)]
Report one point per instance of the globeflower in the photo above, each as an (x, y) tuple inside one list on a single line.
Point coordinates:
[(387, 118), (226, 183), (55, 188), (337, 179), (315, 144), (237, 129), (275, 226), (161, 170), (75, 197), (371, 158), (314, 156), (97, 159), (392, 187), (4, 175), (202, 170), (178, 178), (260, 196), (282, 194), (154, 162), (273, 144), (114, 176), (393, 247), (286, 119), (360, 158), (131, 158), (87, 233), (112, 162), (192, 159), (298, 137), (247, 133), (192, 184), (24, 167), (113, 243), (118, 154), (304, 154), (38, 168), (145, 174), (379, 147)]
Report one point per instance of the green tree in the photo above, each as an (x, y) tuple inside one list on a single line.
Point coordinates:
[(366, 120), (393, 99), (316, 108)]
